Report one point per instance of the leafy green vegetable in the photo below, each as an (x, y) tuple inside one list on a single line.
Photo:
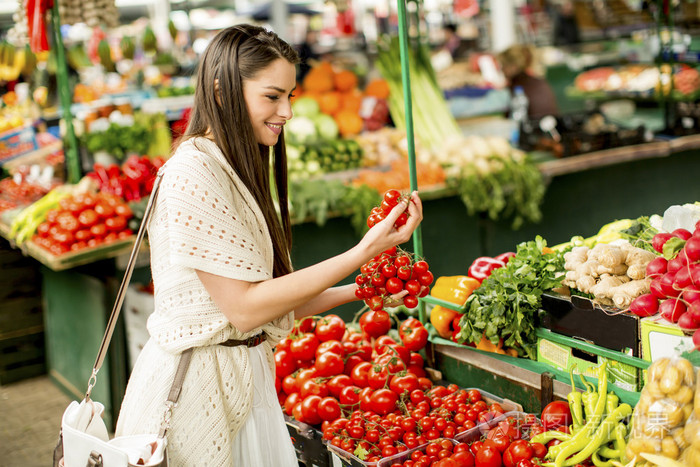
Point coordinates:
[(317, 199), (506, 305), (515, 191), (672, 247), (119, 141), (640, 233)]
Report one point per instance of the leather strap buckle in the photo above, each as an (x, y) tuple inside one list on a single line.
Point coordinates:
[(256, 340)]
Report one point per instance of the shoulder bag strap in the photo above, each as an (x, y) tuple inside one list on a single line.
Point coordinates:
[(111, 324)]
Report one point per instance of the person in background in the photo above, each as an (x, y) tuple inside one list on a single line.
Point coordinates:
[(515, 62), (307, 54), (565, 25), (222, 271), (452, 40)]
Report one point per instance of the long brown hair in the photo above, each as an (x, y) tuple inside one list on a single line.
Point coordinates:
[(234, 55)]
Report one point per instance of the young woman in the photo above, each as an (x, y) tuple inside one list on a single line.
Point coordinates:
[(220, 260)]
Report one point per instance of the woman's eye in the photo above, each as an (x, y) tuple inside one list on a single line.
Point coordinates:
[(272, 98)]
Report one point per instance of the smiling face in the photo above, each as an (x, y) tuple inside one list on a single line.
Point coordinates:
[(267, 97)]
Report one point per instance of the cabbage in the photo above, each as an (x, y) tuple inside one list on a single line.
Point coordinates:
[(326, 126), (305, 107), (301, 130)]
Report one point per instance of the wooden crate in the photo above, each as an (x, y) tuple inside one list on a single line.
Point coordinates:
[(22, 357), (21, 316)]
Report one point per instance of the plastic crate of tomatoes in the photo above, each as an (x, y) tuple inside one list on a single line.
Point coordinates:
[(308, 443), (452, 410), (503, 443)]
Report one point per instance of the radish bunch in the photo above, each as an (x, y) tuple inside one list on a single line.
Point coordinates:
[(675, 285)]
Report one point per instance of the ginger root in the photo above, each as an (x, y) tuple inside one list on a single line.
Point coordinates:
[(613, 274), (625, 293)]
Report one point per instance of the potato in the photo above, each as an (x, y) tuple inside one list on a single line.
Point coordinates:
[(687, 371), (653, 389), (691, 457), (687, 410), (657, 369), (671, 380), (678, 435), (675, 415), (669, 448), (691, 432), (655, 430), (684, 395)]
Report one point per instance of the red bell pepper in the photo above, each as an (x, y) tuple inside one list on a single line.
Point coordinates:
[(505, 257), (482, 267)]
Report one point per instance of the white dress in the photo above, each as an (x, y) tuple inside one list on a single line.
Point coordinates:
[(227, 414), (264, 439)]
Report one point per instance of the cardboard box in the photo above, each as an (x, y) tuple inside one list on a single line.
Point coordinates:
[(580, 318), (564, 357), (661, 338), (17, 142)]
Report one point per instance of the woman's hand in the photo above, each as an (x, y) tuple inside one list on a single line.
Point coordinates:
[(384, 235)]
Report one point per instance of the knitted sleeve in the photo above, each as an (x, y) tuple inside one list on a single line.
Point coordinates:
[(205, 215)]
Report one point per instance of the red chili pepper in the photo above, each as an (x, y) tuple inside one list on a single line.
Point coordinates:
[(101, 174), (482, 267)]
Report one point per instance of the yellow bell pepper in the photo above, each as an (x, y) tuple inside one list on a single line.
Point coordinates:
[(454, 289), (441, 318)]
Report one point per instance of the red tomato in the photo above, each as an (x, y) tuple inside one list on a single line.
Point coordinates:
[(377, 376), (304, 348), (104, 209), (394, 285), (116, 223), (98, 230), (330, 327), (539, 450), (123, 210), (520, 450), (313, 387), (67, 221), (309, 410), (332, 346), (400, 384), (410, 301), (556, 414), (488, 457), (376, 322), (337, 384), (328, 409), (360, 373), (292, 400), (285, 364), (349, 395), (329, 364), (383, 401), (463, 458)]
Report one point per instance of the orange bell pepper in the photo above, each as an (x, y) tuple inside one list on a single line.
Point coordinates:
[(441, 318), (454, 289)]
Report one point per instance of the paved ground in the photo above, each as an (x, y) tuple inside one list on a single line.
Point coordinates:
[(30, 417)]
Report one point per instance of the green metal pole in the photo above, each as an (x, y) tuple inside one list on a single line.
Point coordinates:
[(64, 92), (406, 84)]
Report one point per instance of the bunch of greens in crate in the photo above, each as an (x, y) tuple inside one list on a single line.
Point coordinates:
[(506, 304), (308, 160), (316, 200), (120, 140), (512, 189), (640, 233)]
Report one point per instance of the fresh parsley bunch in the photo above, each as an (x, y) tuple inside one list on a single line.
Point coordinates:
[(507, 303)]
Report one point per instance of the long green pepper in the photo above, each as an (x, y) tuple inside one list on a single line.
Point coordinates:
[(575, 404), (588, 446), (580, 439)]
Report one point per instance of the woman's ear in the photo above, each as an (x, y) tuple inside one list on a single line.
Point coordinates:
[(217, 92)]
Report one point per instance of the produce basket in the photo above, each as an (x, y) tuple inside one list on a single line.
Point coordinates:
[(80, 257), (343, 458)]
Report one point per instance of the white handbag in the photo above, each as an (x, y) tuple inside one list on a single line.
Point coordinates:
[(83, 439)]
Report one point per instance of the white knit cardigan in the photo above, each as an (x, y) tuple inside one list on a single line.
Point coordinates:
[(204, 219)]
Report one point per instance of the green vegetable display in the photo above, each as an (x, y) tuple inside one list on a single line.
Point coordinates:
[(316, 199), (323, 157), (507, 303), (514, 192), (640, 233)]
